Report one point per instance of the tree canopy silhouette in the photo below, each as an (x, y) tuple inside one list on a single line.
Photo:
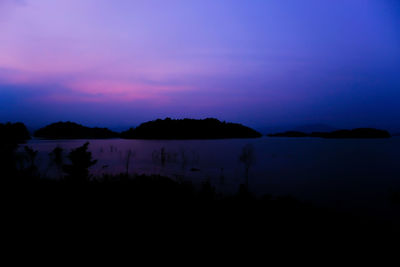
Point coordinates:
[(71, 130), (189, 129), (13, 132), (81, 161)]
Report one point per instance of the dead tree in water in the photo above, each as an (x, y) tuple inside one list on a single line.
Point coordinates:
[(247, 158), (129, 154), (56, 157), (163, 156)]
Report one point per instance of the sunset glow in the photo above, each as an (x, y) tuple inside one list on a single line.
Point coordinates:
[(117, 63)]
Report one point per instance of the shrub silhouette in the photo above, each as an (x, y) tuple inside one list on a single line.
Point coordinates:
[(81, 161)]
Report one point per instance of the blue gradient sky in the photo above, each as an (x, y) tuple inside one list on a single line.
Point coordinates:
[(264, 63)]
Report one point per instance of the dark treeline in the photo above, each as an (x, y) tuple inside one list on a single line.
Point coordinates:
[(71, 130), (172, 129), (189, 129), (158, 129), (355, 133)]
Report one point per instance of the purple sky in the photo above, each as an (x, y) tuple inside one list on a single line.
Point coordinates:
[(264, 63)]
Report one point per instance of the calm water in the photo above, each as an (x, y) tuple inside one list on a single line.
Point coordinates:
[(349, 174)]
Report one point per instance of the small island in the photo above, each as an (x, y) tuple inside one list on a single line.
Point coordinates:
[(209, 128), (71, 130), (357, 133)]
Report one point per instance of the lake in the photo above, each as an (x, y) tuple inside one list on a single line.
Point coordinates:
[(350, 174)]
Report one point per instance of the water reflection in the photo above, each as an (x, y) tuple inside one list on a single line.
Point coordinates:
[(355, 172)]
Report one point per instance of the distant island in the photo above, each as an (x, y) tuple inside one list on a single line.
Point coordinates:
[(312, 128), (14, 132), (158, 129), (355, 133), (209, 128), (168, 129), (71, 130)]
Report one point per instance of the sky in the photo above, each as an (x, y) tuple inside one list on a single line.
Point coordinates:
[(263, 63)]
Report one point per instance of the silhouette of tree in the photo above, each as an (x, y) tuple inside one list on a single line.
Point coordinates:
[(8, 165), (57, 158), (31, 155), (81, 161), (247, 158), (14, 132)]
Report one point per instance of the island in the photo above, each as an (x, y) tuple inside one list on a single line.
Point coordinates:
[(209, 128), (14, 132), (354, 133), (71, 130)]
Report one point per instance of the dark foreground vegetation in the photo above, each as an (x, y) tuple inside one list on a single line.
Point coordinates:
[(155, 202), (189, 129), (355, 133), (71, 130)]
